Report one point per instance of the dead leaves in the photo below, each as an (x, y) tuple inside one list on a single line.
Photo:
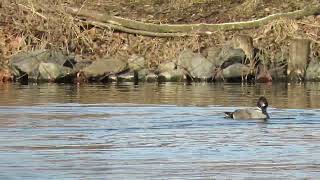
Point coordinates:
[(5, 75)]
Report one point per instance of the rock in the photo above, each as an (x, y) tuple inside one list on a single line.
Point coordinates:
[(166, 67), (228, 56), (141, 75), (169, 77), (170, 72), (105, 66), (313, 71), (81, 63), (236, 71), (110, 78), (126, 77), (28, 65), (224, 57), (136, 63), (195, 65), (52, 71), (151, 77), (231, 56), (58, 58), (212, 54)]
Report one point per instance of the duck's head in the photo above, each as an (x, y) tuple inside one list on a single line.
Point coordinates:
[(262, 103)]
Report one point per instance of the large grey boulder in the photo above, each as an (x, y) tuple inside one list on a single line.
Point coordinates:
[(81, 62), (151, 77), (195, 65), (141, 75), (224, 56), (230, 56), (170, 72), (105, 66), (145, 75), (52, 71), (236, 70), (126, 77), (213, 55), (28, 63)]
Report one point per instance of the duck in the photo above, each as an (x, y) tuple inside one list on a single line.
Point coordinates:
[(259, 112)]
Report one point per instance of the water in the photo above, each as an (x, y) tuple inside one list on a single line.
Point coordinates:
[(157, 131)]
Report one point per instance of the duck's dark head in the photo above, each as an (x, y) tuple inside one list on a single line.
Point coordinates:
[(262, 103)]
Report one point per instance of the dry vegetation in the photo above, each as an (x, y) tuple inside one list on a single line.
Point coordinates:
[(39, 24)]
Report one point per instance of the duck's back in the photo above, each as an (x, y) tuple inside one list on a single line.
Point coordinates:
[(249, 113)]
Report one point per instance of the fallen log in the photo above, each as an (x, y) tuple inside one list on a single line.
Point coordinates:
[(137, 27)]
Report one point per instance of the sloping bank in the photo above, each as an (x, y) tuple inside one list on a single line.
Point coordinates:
[(235, 61)]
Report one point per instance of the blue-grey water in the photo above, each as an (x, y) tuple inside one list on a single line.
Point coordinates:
[(157, 131)]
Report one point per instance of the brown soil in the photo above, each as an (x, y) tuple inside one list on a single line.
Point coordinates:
[(38, 24)]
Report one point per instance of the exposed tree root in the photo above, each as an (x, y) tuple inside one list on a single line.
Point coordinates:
[(167, 30)]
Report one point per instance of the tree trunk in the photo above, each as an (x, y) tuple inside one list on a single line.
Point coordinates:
[(299, 51), (136, 27)]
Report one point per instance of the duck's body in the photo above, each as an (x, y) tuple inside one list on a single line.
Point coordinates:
[(260, 112)]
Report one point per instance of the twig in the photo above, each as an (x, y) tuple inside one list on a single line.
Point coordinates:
[(33, 11), (133, 31), (312, 25)]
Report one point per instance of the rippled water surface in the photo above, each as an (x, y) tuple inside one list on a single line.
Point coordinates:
[(157, 131)]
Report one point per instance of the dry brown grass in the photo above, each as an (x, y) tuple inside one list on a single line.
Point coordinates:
[(37, 24), (36, 27)]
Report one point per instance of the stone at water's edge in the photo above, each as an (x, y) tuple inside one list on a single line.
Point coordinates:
[(236, 70), (105, 66), (80, 63), (169, 77), (151, 77), (212, 54), (195, 65), (126, 77), (170, 72), (141, 75), (52, 71), (167, 67), (29, 64), (229, 64), (144, 75), (231, 56)]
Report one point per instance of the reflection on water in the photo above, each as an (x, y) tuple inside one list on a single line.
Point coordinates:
[(157, 131), (280, 95)]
